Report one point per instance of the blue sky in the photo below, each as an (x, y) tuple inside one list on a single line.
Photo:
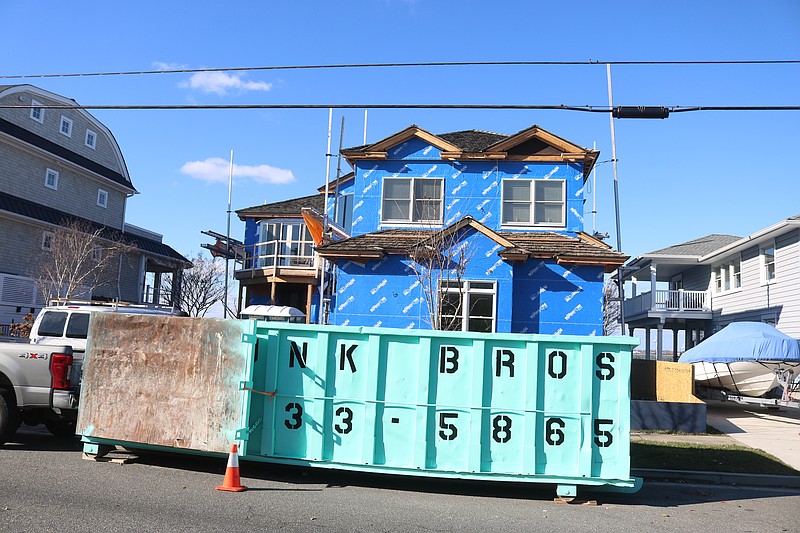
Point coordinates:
[(680, 178)]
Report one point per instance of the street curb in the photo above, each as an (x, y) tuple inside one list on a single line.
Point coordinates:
[(719, 478)]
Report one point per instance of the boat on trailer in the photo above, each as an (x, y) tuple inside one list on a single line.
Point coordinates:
[(745, 358)]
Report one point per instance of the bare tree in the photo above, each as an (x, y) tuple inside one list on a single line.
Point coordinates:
[(611, 308), (439, 262), (201, 286), (77, 259)]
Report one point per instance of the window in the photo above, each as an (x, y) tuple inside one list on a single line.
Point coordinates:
[(78, 326), (91, 139), (412, 200), (102, 198), (97, 254), (66, 126), (37, 113), (52, 324), (344, 211), (728, 276), (51, 179), (468, 305), (768, 264), (47, 240), (534, 202)]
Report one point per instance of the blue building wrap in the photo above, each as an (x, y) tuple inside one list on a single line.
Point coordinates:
[(535, 296)]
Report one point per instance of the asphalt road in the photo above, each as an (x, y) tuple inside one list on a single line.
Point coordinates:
[(45, 485)]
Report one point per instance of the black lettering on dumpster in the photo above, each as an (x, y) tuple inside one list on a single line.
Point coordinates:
[(551, 364), (508, 362), (347, 420), (553, 431), (604, 366), (602, 438), (447, 431), (297, 415), (444, 359), (294, 353), (347, 354), (501, 431)]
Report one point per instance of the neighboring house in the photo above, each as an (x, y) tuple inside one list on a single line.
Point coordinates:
[(481, 231), (59, 165), (700, 286)]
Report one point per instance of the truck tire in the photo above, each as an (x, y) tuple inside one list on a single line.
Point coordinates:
[(61, 428), (9, 417)]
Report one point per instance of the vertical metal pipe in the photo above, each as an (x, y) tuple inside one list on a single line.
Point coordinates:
[(228, 238), (620, 280), (323, 264)]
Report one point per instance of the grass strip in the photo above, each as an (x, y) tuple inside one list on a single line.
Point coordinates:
[(706, 458)]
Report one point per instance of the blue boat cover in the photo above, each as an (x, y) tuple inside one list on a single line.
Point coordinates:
[(744, 341)]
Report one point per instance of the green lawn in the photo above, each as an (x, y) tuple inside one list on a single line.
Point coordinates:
[(709, 458)]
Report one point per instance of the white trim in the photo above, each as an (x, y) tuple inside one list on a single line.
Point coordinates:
[(50, 172), (465, 291), (40, 118), (762, 263), (93, 135), (102, 198), (68, 121)]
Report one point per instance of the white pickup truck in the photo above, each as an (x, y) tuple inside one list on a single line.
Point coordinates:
[(35, 387), (40, 381)]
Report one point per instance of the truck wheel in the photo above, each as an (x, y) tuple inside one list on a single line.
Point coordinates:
[(60, 427), (9, 418)]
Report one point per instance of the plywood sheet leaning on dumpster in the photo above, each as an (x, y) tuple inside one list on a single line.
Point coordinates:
[(164, 381)]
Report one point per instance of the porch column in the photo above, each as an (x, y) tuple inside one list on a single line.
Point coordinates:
[(653, 276), (239, 300), (309, 294), (272, 291), (674, 344), (660, 341), (647, 343), (634, 281)]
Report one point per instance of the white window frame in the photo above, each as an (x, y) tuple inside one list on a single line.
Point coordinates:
[(411, 201), (764, 265), (97, 254), (54, 173), (532, 203), (93, 135), (727, 277), (47, 240), (465, 289), (37, 111), (65, 120), (102, 198)]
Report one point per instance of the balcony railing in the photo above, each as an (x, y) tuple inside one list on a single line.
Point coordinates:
[(668, 300), (296, 254)]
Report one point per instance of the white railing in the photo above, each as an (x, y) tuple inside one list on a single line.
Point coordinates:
[(280, 253), (668, 300)]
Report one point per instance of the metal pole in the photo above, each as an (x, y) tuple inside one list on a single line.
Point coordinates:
[(325, 219), (620, 281), (228, 237), (594, 193), (365, 126)]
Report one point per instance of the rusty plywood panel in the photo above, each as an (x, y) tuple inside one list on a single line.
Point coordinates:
[(165, 381)]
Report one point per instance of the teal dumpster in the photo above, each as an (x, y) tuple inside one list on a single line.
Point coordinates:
[(502, 407)]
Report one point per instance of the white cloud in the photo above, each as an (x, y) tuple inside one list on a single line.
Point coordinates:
[(216, 170), (161, 65), (221, 83)]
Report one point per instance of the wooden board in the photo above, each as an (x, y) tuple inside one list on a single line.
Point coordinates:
[(165, 381)]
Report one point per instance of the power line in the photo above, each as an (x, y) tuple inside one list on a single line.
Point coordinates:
[(558, 107), (403, 65)]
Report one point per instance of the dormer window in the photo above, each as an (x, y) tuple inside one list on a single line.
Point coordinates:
[(37, 113), (412, 200), (66, 126), (533, 202), (91, 139)]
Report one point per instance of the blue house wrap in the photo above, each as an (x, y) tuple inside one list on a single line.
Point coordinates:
[(506, 210)]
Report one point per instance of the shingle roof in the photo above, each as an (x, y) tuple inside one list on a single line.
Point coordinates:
[(26, 208), (284, 208), (473, 140), (699, 247), (542, 245)]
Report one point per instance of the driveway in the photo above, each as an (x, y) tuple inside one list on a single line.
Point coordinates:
[(777, 432)]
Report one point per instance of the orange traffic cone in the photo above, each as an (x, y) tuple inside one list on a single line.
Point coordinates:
[(231, 483)]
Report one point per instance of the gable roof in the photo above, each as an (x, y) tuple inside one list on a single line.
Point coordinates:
[(284, 208), (27, 209), (697, 247), (531, 144), (516, 246)]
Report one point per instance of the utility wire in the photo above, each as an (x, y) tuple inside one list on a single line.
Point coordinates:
[(559, 107), (403, 65)]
